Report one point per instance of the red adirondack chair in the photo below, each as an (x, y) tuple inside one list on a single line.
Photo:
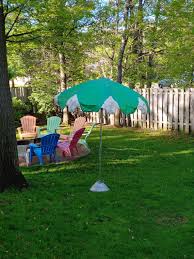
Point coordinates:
[(68, 146), (78, 124)]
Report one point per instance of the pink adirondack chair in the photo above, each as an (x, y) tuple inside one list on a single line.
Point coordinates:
[(78, 124), (67, 147), (28, 128)]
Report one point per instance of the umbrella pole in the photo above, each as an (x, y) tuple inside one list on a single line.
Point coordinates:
[(100, 186), (100, 146)]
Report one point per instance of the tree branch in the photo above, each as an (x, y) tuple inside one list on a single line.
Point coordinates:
[(13, 24), (76, 26), (21, 34), (10, 11), (23, 40), (6, 6), (15, 8)]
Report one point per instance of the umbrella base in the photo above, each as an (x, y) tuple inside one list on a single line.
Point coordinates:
[(99, 187)]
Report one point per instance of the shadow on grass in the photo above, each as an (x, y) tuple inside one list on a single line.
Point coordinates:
[(149, 149)]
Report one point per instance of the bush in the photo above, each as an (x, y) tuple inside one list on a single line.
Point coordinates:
[(20, 109)]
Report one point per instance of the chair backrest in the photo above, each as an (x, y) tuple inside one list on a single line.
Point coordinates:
[(90, 130), (49, 143), (28, 123), (75, 138), (53, 123), (78, 124)]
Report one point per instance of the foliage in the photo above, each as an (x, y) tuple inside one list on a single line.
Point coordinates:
[(180, 39), (11, 73), (61, 28), (20, 109), (89, 33), (44, 85), (147, 214), (159, 41)]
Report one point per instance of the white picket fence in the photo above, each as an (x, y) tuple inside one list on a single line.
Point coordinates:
[(21, 92), (170, 109)]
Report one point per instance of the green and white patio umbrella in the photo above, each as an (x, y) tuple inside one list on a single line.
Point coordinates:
[(99, 94)]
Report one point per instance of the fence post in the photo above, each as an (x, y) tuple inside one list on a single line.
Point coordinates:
[(192, 110), (143, 116), (155, 109), (181, 109), (176, 105), (148, 115), (151, 107), (187, 103), (139, 114), (160, 110), (112, 119), (165, 109), (170, 109)]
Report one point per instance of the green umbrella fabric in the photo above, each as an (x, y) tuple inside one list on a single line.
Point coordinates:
[(92, 95)]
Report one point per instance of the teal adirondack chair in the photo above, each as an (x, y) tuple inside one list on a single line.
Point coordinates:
[(86, 134), (52, 126)]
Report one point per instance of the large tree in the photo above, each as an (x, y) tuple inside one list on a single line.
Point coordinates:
[(9, 172), (60, 52)]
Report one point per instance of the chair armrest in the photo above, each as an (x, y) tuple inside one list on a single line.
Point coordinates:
[(19, 129), (42, 128), (64, 137), (38, 128), (58, 128), (32, 145)]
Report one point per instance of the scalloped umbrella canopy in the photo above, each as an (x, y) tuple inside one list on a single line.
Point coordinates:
[(93, 95)]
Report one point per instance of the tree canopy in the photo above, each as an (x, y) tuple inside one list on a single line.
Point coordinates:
[(61, 42)]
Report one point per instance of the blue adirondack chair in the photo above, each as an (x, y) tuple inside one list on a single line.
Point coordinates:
[(47, 147), (52, 125)]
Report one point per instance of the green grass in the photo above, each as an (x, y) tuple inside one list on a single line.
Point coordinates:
[(149, 212)]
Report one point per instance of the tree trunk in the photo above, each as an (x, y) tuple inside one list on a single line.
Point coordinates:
[(12, 83), (150, 73), (63, 84), (9, 173), (150, 69), (63, 78), (120, 59), (124, 41), (117, 118), (138, 40)]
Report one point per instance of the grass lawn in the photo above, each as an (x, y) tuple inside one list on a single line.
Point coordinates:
[(149, 212)]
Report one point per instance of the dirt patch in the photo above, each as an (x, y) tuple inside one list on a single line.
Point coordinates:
[(4, 202), (172, 220), (23, 155)]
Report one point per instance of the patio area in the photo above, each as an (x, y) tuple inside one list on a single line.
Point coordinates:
[(24, 151)]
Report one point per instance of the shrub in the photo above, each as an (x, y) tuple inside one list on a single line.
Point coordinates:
[(20, 109)]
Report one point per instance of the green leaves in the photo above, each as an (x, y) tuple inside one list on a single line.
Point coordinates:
[(88, 35)]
